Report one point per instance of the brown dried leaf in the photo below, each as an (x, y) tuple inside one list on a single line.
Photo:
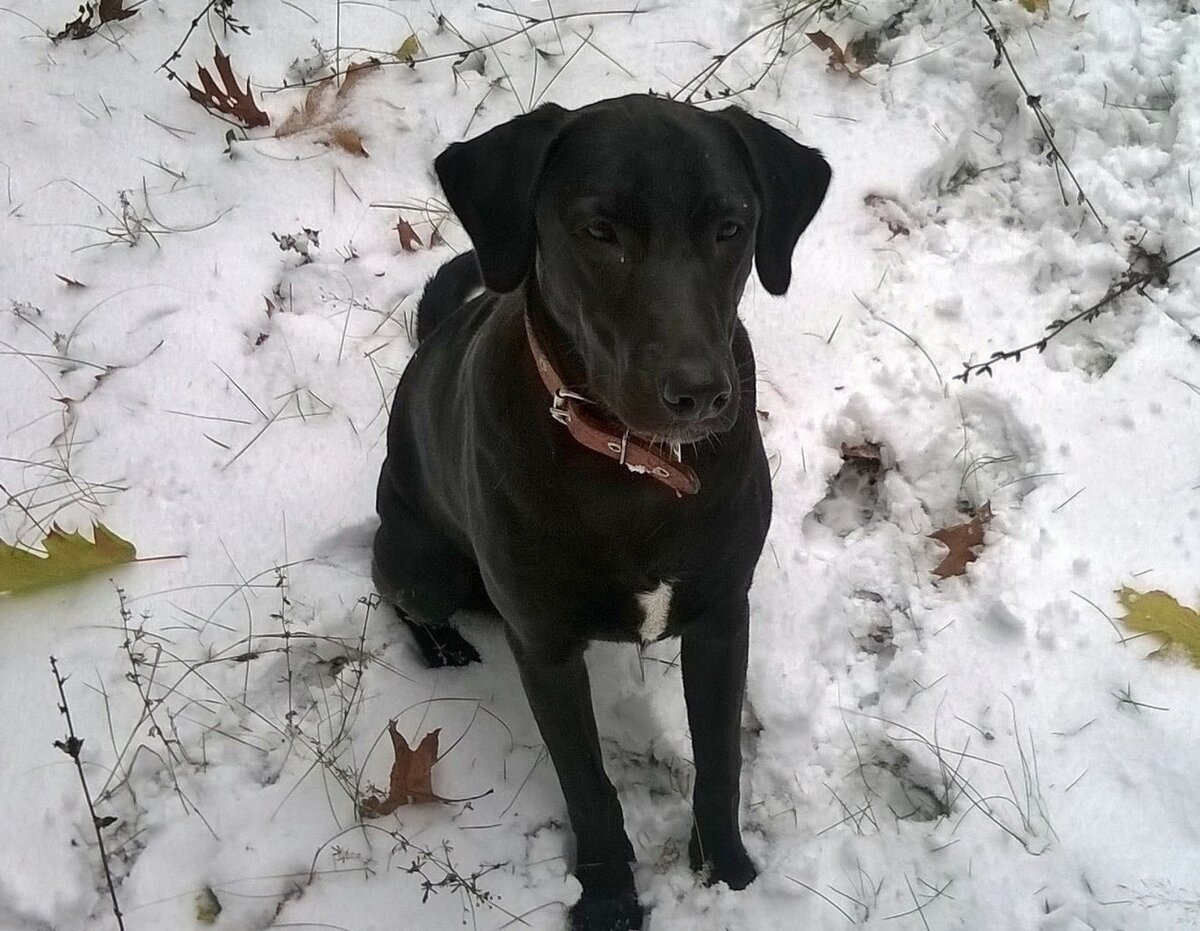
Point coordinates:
[(962, 540), (309, 114), (322, 110), (232, 100), (91, 18), (409, 240), (411, 780), (865, 457), (79, 28), (347, 139), (355, 73), (839, 58), (111, 11)]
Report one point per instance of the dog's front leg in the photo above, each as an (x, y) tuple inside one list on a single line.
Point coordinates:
[(556, 683), (715, 650)]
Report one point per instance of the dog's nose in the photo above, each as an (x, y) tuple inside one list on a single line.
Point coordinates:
[(695, 391)]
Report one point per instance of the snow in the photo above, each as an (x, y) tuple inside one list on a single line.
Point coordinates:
[(985, 749)]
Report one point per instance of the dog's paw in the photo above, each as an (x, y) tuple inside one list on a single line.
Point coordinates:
[(728, 863), (442, 645), (620, 912)]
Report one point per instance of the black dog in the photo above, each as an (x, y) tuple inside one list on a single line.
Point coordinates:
[(577, 449)]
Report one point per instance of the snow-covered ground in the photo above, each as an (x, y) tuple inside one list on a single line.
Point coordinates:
[(979, 752)]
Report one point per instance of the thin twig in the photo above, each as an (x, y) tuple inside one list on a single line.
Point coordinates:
[(174, 56), (72, 747), (697, 82), (817, 892), (1130, 281), (1034, 101)]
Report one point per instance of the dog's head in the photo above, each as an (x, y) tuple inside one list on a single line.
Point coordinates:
[(640, 218)]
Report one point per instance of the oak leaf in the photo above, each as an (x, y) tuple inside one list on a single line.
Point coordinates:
[(69, 556), (962, 540), (411, 780), (839, 59), (232, 100), (112, 11), (1159, 614), (409, 240), (323, 108), (91, 18)]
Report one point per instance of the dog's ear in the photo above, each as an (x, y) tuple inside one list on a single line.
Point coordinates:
[(791, 181), (491, 182)]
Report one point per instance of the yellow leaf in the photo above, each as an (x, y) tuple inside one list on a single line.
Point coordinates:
[(68, 557), (1160, 614), (408, 49), (1036, 6), (208, 906)]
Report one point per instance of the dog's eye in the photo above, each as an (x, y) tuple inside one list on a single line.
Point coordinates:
[(728, 230), (601, 231)]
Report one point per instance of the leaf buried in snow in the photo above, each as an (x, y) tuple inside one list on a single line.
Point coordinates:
[(839, 59), (890, 213), (1159, 614), (865, 457), (348, 140), (232, 100), (69, 556), (411, 780), (962, 540), (471, 61), (323, 108)]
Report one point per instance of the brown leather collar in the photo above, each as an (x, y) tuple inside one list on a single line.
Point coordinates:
[(606, 435)]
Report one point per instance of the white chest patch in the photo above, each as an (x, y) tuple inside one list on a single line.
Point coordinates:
[(656, 605)]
